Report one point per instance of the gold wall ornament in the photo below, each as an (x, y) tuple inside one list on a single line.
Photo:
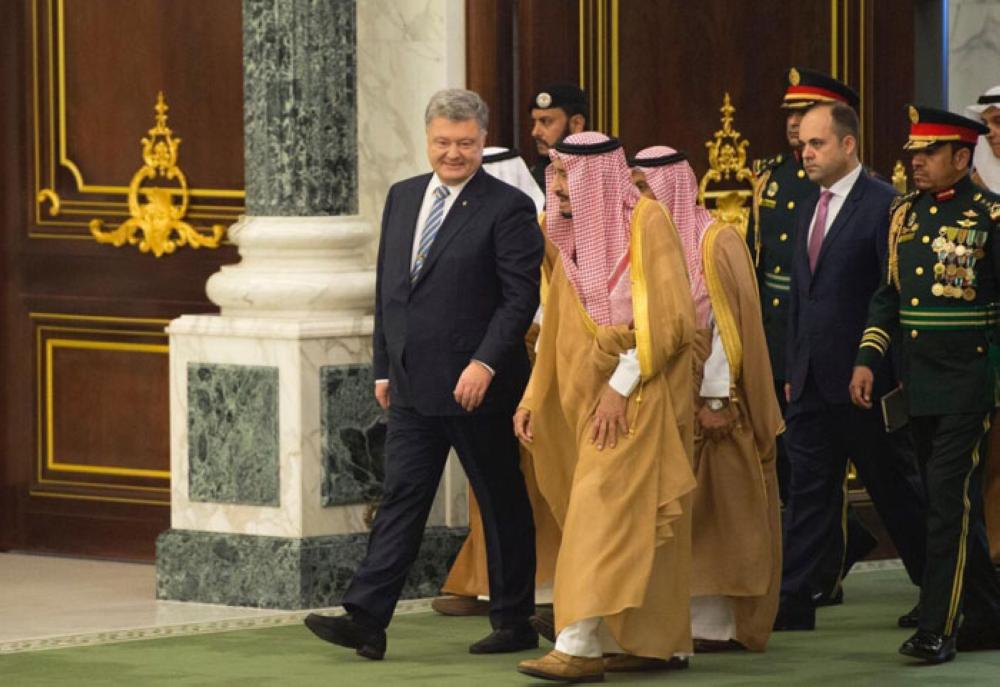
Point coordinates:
[(728, 183), (157, 225), (899, 181), (55, 202)]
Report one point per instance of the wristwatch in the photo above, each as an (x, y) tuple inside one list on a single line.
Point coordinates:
[(716, 404)]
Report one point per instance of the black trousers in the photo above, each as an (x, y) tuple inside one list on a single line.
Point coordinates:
[(848, 541), (415, 453), (951, 450), (820, 438)]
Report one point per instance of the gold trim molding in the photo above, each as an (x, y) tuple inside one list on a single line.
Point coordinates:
[(58, 179), (599, 62), (49, 338), (50, 438), (157, 225)]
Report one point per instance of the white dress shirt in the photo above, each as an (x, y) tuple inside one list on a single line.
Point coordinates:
[(840, 189), (428, 203)]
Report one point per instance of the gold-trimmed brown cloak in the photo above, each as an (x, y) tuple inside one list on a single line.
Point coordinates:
[(624, 511), (736, 530)]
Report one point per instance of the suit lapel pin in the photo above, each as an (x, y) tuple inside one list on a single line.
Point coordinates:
[(465, 203)]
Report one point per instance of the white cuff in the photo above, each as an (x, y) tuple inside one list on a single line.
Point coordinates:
[(381, 381), (493, 373), (715, 382), (537, 319), (627, 375)]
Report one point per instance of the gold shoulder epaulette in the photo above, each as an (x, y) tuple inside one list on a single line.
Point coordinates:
[(767, 164), (907, 198), (897, 216), (989, 202)]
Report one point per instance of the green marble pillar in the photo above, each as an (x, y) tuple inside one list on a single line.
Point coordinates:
[(300, 107)]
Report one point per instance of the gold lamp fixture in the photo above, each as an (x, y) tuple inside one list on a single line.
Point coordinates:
[(728, 175), (156, 224)]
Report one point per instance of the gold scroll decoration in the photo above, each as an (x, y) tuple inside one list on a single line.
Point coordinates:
[(728, 183), (157, 223)]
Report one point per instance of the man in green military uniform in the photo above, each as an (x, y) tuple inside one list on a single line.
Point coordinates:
[(940, 295), (780, 186)]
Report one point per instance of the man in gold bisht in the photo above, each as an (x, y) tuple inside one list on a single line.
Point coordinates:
[(608, 416), (736, 528)]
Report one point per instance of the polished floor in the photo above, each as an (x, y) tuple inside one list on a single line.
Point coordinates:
[(47, 598), (48, 602)]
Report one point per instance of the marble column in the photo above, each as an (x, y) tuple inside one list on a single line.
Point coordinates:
[(276, 442)]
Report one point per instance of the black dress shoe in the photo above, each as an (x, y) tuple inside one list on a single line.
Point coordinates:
[(931, 647), (544, 623), (910, 619), (346, 631), (834, 599), (978, 637), (506, 640), (795, 617)]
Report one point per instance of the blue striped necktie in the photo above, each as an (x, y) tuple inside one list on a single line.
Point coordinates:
[(431, 227)]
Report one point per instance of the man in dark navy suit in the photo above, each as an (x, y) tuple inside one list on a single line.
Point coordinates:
[(456, 289), (840, 253)]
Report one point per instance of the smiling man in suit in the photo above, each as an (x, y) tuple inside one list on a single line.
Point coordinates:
[(840, 251), (456, 289)]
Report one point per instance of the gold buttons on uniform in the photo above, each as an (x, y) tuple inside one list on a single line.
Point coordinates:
[(933, 210), (926, 239), (801, 173), (914, 301), (776, 301), (783, 237), (914, 334), (919, 271), (777, 269), (979, 349), (791, 204)]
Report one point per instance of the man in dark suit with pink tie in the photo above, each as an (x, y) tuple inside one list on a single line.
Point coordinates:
[(842, 240)]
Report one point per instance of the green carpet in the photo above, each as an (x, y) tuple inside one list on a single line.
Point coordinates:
[(855, 645)]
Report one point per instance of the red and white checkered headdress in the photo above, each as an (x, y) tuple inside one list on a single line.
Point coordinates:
[(593, 244), (673, 182)]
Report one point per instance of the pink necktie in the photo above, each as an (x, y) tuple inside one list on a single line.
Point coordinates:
[(819, 229)]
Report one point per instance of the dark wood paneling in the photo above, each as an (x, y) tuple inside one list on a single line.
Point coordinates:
[(677, 62), (889, 84), (549, 52), (107, 403), (513, 48), (120, 53), (13, 210), (489, 35), (109, 406)]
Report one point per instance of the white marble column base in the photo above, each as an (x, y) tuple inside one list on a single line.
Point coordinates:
[(298, 348)]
